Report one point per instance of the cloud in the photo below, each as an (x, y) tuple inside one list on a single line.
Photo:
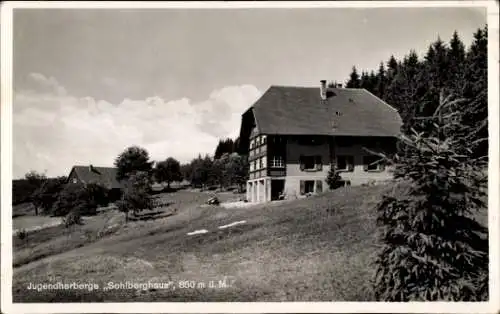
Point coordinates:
[(54, 130), (109, 81), (47, 85)]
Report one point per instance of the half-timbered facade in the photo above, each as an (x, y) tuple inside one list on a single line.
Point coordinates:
[(294, 135)]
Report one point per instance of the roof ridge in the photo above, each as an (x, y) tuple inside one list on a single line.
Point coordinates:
[(95, 167), (316, 87), (293, 86)]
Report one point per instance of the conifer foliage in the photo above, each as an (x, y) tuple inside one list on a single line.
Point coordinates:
[(354, 80), (433, 248), (413, 85), (225, 146), (333, 179)]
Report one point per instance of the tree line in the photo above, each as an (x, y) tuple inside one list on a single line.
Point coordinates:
[(432, 246), (136, 172), (225, 169), (413, 85)]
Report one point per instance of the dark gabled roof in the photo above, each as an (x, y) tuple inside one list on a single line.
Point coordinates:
[(345, 112), (105, 176)]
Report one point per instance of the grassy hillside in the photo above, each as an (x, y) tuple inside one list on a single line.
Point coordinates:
[(286, 251)]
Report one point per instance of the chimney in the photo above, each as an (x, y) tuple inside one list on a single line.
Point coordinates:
[(322, 89)]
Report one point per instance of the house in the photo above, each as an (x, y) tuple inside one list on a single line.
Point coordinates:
[(294, 135), (103, 176)]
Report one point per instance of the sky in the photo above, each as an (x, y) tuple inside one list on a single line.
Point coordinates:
[(89, 83)]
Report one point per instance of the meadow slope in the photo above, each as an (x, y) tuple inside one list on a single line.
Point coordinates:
[(286, 251)]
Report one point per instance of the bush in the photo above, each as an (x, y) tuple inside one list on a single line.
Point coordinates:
[(85, 198), (74, 217), (46, 195), (135, 197), (333, 179), (114, 195), (23, 189), (98, 194), (433, 248), (22, 234)]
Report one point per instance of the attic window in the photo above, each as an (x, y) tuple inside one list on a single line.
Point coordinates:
[(338, 113)]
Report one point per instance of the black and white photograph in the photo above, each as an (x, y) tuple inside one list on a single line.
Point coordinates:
[(258, 153)]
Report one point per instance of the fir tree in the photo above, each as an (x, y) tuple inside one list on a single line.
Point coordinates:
[(457, 64), (476, 86), (333, 179), (372, 79), (381, 81), (236, 145), (224, 146), (433, 248), (406, 88), (354, 79), (436, 75), (392, 68), (365, 82)]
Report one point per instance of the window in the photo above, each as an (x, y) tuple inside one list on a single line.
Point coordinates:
[(372, 163), (252, 166), (264, 162), (257, 141), (306, 186), (345, 163), (277, 162), (252, 143), (261, 162), (310, 163), (264, 139), (75, 180)]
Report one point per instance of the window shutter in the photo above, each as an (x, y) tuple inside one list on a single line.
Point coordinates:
[(319, 164), (319, 186), (301, 160), (302, 187)]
